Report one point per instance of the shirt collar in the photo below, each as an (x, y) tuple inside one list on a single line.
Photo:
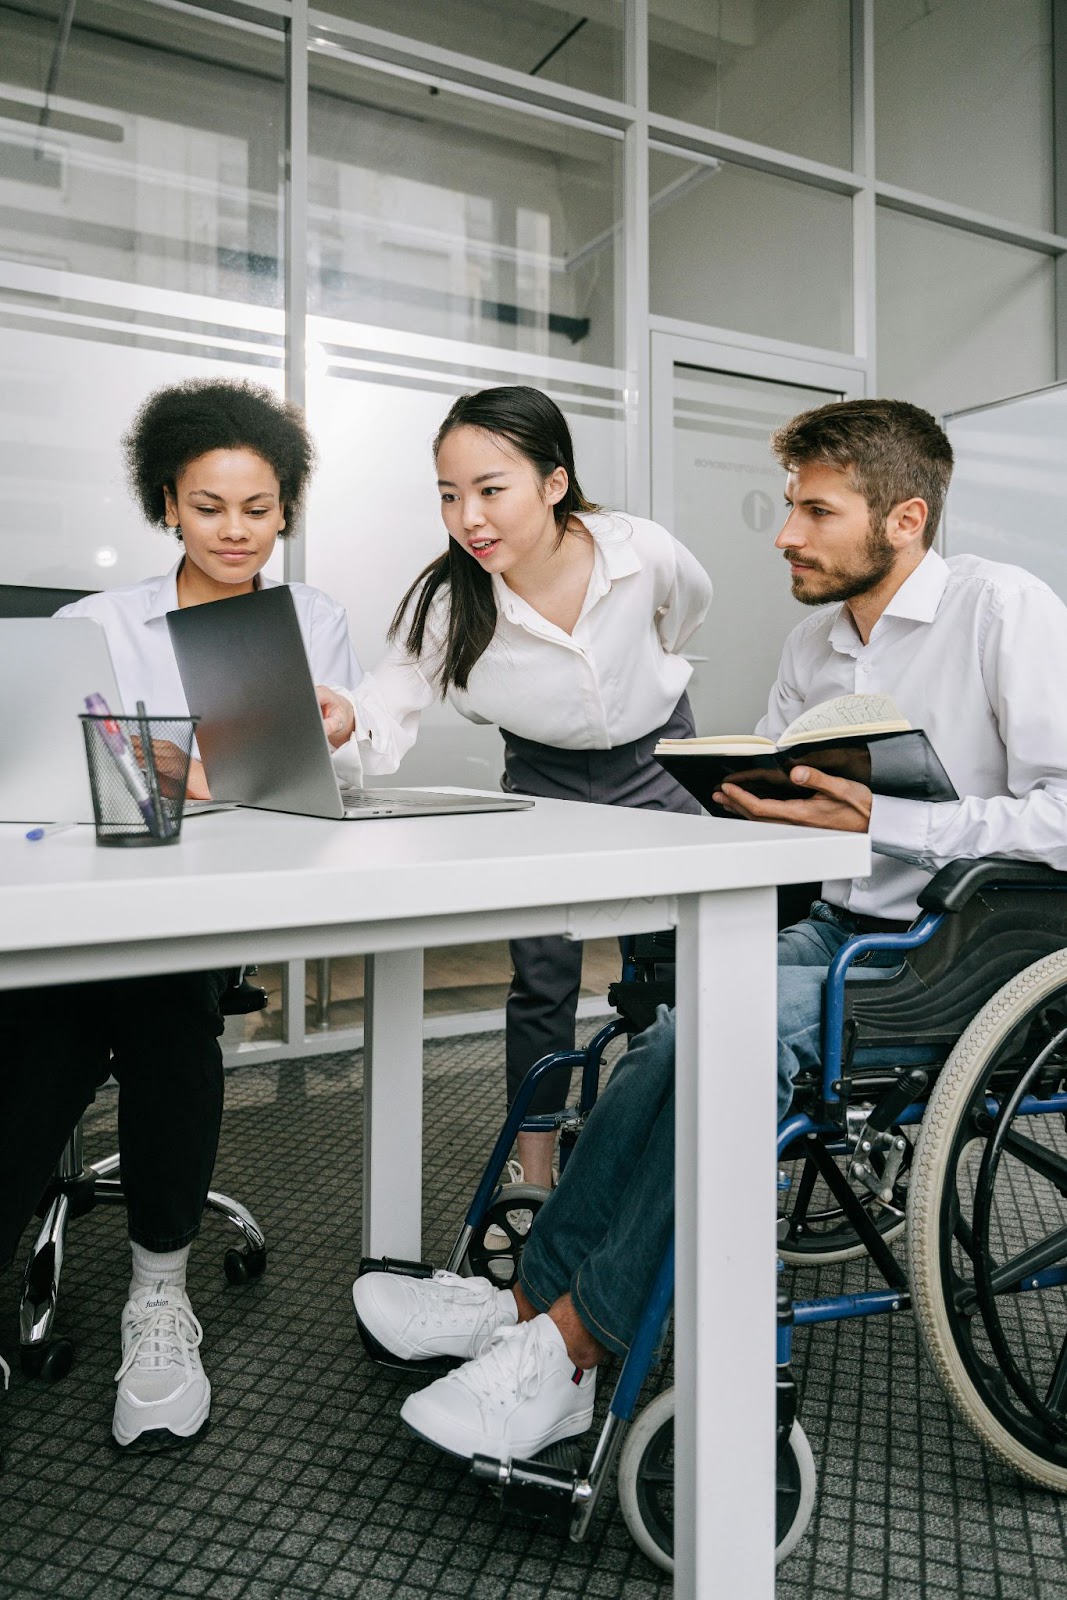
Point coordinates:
[(916, 600), (615, 557), (162, 593)]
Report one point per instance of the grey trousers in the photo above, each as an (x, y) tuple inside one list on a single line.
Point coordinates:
[(543, 996)]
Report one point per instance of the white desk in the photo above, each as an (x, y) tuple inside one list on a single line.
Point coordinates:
[(247, 886)]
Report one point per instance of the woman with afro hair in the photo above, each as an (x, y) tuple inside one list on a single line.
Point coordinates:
[(224, 466)]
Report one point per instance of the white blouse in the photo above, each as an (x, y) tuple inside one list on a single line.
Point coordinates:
[(615, 678), (135, 622)]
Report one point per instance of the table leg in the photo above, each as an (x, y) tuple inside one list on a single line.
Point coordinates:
[(392, 1105), (725, 1295)]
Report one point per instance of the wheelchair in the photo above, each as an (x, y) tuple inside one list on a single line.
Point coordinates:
[(940, 1114)]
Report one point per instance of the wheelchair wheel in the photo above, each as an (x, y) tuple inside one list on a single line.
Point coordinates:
[(646, 1485), (987, 1238), (497, 1242), (817, 1231)]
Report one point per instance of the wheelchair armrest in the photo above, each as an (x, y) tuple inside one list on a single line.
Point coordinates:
[(951, 888)]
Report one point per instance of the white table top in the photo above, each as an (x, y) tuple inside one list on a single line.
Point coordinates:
[(250, 870)]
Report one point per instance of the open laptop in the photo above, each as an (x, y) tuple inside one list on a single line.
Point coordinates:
[(261, 736), (47, 667)]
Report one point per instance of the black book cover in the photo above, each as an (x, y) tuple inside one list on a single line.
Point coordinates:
[(903, 764)]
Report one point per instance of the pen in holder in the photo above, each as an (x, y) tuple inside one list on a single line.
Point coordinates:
[(138, 771)]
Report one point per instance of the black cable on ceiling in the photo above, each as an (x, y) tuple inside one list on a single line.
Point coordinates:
[(558, 46)]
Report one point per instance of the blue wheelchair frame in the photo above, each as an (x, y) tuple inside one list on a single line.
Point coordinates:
[(564, 1492), (559, 1489), (874, 1302)]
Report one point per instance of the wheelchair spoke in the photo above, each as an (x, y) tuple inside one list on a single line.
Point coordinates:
[(961, 1230), (1028, 1262), (1039, 1159), (1056, 1394), (798, 1214)]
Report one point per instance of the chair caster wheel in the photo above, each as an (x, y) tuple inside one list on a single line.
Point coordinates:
[(50, 1361), (242, 1265)]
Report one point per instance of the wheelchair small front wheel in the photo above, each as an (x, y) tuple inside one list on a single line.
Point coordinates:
[(646, 1485), (814, 1229), (497, 1243)]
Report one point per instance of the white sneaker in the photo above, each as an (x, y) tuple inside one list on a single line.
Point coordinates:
[(445, 1315), (164, 1396), (522, 1393)]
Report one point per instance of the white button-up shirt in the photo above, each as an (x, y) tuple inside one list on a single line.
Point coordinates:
[(615, 678), (135, 622), (975, 653)]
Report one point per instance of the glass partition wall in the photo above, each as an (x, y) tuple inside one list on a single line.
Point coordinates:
[(378, 205)]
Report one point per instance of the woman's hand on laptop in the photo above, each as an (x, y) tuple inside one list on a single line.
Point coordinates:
[(338, 717)]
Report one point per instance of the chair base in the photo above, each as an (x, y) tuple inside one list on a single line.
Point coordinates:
[(75, 1190)]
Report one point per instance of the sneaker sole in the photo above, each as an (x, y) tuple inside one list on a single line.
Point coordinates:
[(569, 1428), (153, 1441), (425, 1366)]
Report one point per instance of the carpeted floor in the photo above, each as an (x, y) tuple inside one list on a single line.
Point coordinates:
[(307, 1483)]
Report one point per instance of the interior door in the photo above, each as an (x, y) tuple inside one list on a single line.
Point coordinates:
[(718, 488)]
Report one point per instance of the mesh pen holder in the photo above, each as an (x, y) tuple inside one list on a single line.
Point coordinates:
[(138, 770)]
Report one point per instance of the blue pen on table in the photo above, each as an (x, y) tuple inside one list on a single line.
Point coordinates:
[(126, 761), (48, 828)]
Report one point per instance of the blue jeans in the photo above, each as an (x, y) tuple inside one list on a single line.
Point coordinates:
[(602, 1233)]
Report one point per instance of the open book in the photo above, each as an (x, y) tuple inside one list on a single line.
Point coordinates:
[(857, 736)]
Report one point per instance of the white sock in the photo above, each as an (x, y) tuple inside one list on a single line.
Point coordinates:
[(152, 1266)]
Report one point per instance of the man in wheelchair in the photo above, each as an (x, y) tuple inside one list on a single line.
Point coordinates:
[(972, 651)]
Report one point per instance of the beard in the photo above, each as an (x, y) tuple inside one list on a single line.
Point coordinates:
[(824, 585)]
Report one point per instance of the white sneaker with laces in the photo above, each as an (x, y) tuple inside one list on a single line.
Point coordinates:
[(445, 1315), (520, 1395), (163, 1392)]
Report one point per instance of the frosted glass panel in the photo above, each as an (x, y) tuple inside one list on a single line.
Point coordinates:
[(734, 248), (777, 74), (1008, 498), (961, 320), (152, 161), (963, 96), (139, 245), (437, 214), (76, 360)]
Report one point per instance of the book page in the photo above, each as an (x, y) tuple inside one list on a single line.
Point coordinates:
[(715, 743), (849, 713)]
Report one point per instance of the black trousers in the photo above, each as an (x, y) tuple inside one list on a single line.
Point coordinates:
[(159, 1036), (543, 996)]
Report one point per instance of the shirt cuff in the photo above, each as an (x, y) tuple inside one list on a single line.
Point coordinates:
[(900, 828), (348, 765)]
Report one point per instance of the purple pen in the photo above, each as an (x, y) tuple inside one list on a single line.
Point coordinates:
[(126, 761)]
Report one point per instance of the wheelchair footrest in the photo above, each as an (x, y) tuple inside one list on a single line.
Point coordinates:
[(546, 1489), (431, 1366), (404, 1269)]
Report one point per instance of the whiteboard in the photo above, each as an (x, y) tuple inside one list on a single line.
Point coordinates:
[(1008, 496)]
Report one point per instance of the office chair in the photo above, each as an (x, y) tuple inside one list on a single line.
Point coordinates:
[(76, 1188)]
